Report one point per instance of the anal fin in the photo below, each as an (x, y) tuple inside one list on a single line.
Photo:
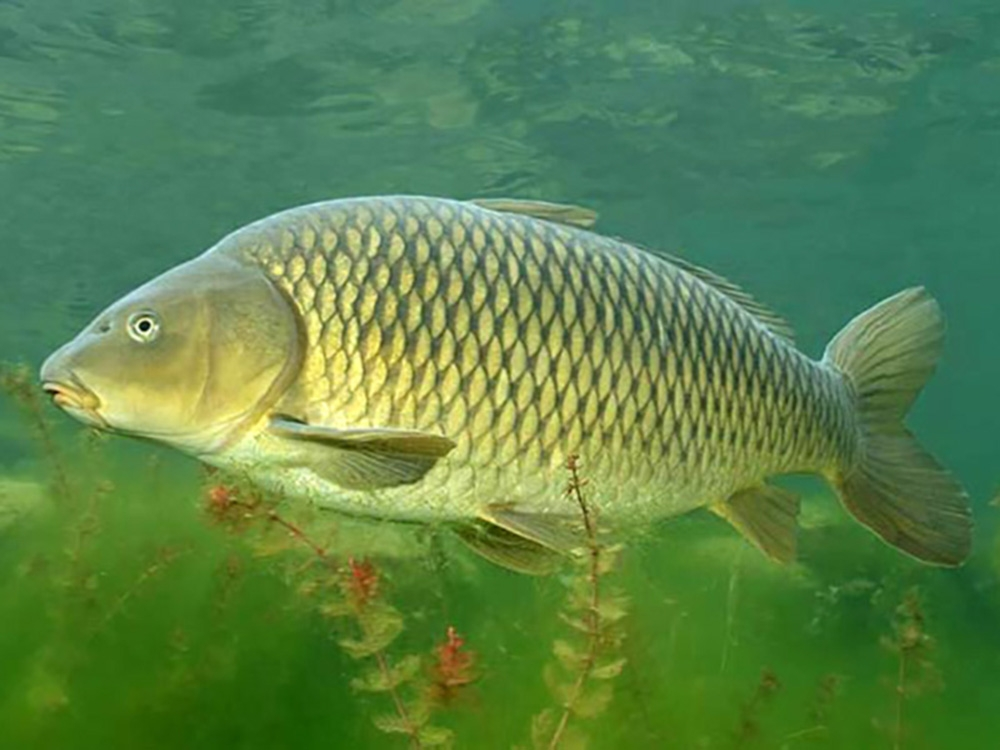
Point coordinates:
[(765, 515)]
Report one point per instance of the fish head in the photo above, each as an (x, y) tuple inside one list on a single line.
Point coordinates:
[(193, 358)]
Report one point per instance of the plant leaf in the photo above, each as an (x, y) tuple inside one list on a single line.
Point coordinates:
[(336, 609), (380, 628), (573, 738), (608, 558), (594, 700), (576, 623), (375, 680), (406, 668), (611, 609), (542, 727), (567, 654), (431, 736), (555, 681), (372, 680), (608, 671), (392, 724)]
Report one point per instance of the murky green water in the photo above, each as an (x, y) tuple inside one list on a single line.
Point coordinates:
[(824, 157)]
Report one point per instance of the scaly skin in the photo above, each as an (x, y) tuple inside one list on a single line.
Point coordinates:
[(525, 341)]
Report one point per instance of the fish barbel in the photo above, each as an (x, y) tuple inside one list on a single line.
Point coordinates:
[(434, 360)]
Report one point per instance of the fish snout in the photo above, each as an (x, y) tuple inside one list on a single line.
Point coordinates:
[(65, 388)]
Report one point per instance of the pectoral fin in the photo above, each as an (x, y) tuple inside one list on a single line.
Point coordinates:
[(366, 458), (766, 516)]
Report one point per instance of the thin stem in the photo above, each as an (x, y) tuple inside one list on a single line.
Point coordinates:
[(818, 729), (593, 613), (299, 534), (900, 695), (404, 715), (166, 559)]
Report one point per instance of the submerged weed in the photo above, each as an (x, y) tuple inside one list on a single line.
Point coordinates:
[(827, 692), (581, 678), (916, 673), (748, 728), (452, 671), (353, 590), (18, 383)]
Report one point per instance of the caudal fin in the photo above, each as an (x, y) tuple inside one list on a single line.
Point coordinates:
[(894, 487)]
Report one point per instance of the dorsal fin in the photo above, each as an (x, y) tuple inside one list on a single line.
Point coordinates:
[(574, 216), (767, 317)]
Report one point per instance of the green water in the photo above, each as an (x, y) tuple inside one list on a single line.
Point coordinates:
[(824, 155)]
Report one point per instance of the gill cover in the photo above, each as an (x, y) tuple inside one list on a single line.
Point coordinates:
[(193, 358)]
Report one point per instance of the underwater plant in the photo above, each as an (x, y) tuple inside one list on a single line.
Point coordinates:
[(916, 673), (163, 557), (827, 692), (65, 566), (748, 728), (18, 383), (454, 668), (581, 678), (353, 591)]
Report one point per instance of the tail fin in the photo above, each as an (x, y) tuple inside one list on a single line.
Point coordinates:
[(895, 487)]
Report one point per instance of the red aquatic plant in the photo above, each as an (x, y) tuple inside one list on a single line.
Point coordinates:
[(361, 582), (453, 668), (356, 593), (236, 508), (225, 507)]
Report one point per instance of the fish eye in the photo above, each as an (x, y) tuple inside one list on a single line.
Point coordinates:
[(143, 327)]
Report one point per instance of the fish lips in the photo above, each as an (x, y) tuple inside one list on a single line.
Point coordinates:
[(73, 397)]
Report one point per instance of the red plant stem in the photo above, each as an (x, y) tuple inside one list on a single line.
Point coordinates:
[(299, 534), (593, 613), (296, 531)]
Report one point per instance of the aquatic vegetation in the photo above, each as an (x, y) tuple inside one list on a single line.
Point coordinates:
[(748, 728), (453, 669), (581, 678), (407, 669), (18, 383), (162, 559), (352, 590), (827, 692), (916, 673)]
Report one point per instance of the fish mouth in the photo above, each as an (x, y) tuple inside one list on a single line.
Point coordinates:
[(76, 399)]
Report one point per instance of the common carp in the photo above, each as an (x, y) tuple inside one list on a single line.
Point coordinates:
[(434, 360)]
